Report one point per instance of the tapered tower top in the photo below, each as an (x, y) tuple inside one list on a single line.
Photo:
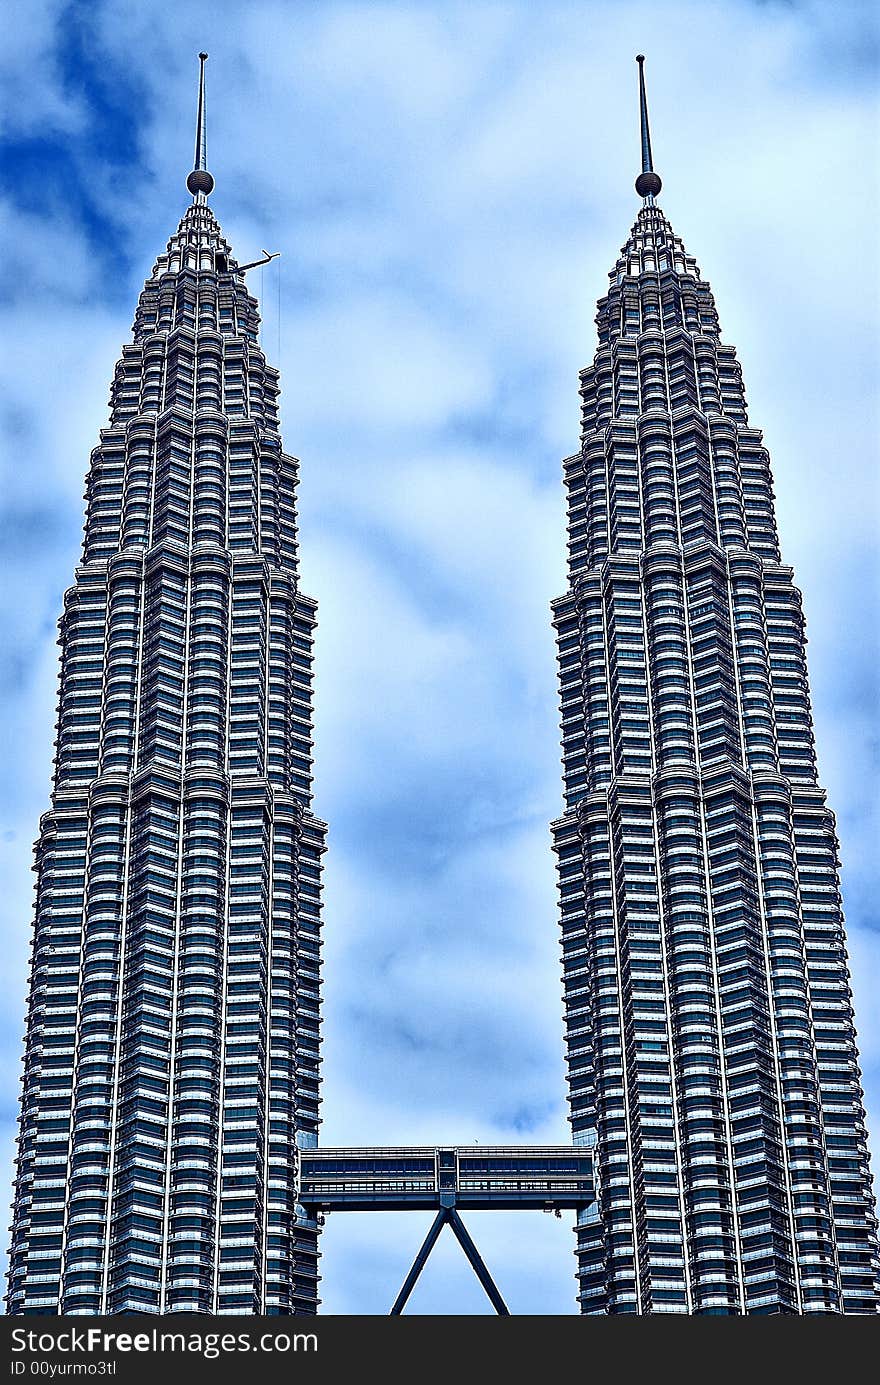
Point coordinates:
[(648, 183), (200, 183)]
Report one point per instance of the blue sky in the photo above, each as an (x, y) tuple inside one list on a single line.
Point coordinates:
[(449, 185)]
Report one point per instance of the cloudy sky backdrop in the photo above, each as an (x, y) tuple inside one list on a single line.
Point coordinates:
[(449, 185)]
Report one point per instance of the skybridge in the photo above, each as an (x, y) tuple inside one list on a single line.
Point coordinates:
[(446, 1180)]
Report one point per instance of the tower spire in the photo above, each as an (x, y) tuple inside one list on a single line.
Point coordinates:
[(200, 183), (648, 183)]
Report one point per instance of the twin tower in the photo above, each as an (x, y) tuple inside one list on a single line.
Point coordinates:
[(168, 1156)]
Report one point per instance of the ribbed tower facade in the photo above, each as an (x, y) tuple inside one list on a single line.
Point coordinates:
[(709, 1024), (171, 1068)]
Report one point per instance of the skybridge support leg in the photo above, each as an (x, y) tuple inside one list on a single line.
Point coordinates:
[(449, 1214), (419, 1263), (477, 1263)]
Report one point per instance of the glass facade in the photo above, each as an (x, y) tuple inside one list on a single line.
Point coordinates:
[(710, 1042), (171, 1068)]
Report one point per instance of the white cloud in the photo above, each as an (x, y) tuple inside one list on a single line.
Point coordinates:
[(34, 99)]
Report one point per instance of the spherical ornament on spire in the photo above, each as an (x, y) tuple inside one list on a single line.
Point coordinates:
[(648, 184), (200, 180)]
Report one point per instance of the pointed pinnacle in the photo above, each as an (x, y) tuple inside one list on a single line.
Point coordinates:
[(200, 183), (648, 183)]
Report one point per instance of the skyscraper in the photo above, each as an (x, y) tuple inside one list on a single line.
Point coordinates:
[(709, 1024), (171, 1068)]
